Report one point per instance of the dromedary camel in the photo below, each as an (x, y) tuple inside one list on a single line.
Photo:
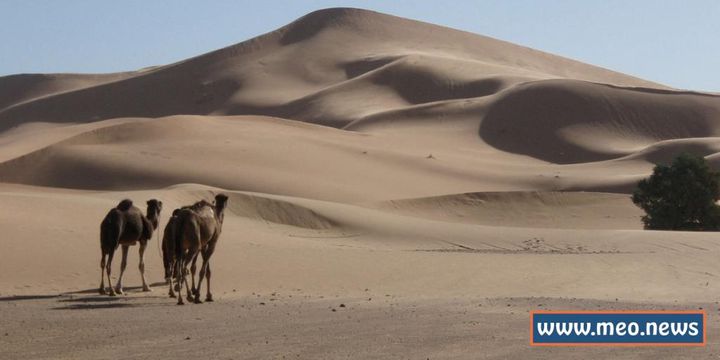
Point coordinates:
[(126, 225), (168, 253), (197, 229), (168, 247)]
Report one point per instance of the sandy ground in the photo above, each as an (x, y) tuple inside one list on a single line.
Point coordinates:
[(293, 325), (439, 184), (412, 287)]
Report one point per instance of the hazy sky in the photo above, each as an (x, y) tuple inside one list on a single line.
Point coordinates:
[(672, 42)]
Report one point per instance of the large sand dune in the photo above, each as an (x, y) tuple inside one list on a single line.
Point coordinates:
[(366, 156)]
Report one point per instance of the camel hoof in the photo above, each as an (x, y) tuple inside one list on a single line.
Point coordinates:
[(190, 299), (209, 299), (147, 289), (180, 303), (112, 293), (102, 291)]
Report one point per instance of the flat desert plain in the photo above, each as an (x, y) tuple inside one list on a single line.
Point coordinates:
[(396, 190)]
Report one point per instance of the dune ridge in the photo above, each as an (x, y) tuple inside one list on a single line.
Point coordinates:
[(244, 78)]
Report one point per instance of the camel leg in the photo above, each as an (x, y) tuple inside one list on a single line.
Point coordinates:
[(187, 286), (123, 265), (141, 266), (203, 271), (206, 263), (167, 263), (108, 267), (180, 277), (208, 297), (102, 274), (171, 292), (193, 269)]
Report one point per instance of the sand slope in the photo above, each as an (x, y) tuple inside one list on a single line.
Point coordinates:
[(346, 53), (366, 156), (16, 89)]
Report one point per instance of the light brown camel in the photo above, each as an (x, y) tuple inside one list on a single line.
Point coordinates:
[(126, 225), (197, 230)]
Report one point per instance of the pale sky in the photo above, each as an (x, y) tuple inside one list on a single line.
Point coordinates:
[(672, 42)]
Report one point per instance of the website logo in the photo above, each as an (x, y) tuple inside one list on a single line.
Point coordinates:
[(618, 328)]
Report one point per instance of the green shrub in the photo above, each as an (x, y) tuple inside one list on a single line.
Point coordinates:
[(680, 196)]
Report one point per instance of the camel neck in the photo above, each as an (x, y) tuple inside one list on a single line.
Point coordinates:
[(153, 217), (219, 213)]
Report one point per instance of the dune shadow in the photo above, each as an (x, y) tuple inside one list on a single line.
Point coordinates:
[(571, 121)]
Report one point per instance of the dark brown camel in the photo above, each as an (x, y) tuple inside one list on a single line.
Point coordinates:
[(168, 247), (168, 252), (197, 230), (126, 225)]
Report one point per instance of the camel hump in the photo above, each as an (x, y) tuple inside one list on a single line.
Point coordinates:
[(125, 205)]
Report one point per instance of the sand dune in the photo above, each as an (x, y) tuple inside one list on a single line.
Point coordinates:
[(263, 76), (16, 89), (366, 156), (561, 210), (322, 247), (569, 121)]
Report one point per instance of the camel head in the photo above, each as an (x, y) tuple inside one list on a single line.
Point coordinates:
[(153, 209), (220, 204)]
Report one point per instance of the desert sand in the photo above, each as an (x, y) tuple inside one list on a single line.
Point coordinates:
[(437, 184)]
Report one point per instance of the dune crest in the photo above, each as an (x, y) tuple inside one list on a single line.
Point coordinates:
[(311, 59)]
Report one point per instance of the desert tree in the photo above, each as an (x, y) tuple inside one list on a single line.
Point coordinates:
[(680, 196)]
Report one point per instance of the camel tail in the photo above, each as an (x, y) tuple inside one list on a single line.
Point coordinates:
[(168, 246), (181, 223)]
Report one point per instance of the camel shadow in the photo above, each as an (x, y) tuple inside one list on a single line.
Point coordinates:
[(27, 297), (94, 306), (91, 302), (154, 285), (96, 301)]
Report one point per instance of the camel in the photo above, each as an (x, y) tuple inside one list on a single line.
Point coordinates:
[(197, 230), (168, 253), (126, 225), (168, 247)]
